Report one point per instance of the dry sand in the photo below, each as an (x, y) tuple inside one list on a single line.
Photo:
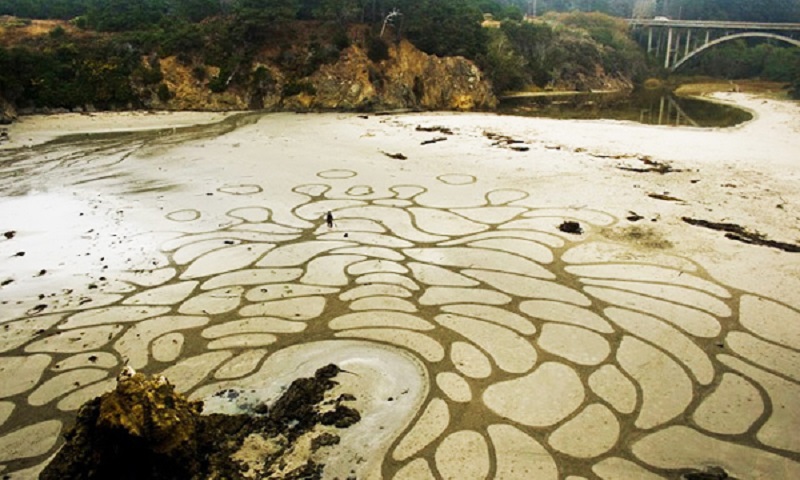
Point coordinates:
[(641, 348), (37, 129)]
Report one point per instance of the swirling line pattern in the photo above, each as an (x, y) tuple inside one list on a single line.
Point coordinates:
[(547, 354)]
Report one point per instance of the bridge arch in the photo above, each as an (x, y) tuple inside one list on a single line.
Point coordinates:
[(726, 38)]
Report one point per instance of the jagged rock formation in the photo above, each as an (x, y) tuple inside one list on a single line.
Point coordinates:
[(409, 78), (144, 429)]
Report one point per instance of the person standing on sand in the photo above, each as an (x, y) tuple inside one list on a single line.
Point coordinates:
[(329, 219)]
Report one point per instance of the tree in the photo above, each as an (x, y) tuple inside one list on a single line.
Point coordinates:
[(121, 15), (194, 10), (341, 11), (268, 10), (644, 9), (443, 27)]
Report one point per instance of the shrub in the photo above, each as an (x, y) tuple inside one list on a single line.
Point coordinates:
[(377, 49), (293, 88), (58, 33), (199, 73), (163, 92)]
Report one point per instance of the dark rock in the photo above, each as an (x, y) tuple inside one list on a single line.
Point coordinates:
[(325, 440), (341, 417), (710, 473), (144, 429), (396, 156), (433, 140), (571, 227), (444, 130)]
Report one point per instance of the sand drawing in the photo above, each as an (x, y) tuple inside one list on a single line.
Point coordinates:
[(521, 351)]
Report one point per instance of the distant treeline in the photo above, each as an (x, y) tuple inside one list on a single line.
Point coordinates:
[(562, 50), (126, 14)]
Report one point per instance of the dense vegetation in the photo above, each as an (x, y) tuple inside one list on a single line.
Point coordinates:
[(565, 49), (85, 66), (128, 14)]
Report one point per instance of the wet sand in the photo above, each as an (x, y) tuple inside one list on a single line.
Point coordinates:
[(655, 341)]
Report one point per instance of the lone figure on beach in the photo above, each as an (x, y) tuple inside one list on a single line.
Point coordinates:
[(329, 219)]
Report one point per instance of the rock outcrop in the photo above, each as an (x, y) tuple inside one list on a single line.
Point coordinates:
[(408, 79), (144, 429)]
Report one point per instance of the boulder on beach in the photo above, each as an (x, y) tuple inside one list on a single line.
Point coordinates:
[(145, 429)]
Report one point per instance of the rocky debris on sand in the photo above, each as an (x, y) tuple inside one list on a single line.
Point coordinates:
[(396, 156), (145, 429), (742, 234), (504, 141), (571, 227), (710, 473)]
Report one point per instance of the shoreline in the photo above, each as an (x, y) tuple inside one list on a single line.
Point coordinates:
[(31, 130)]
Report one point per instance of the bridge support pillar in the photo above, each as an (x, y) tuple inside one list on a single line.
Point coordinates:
[(669, 47), (688, 42), (677, 48)]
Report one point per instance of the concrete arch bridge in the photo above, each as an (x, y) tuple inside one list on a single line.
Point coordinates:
[(678, 41)]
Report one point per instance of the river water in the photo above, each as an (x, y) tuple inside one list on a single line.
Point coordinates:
[(648, 107)]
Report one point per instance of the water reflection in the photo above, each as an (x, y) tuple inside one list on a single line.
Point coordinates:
[(649, 107)]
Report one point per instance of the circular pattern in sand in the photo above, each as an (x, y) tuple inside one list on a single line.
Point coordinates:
[(336, 174), (185, 215), (457, 179), (242, 189)]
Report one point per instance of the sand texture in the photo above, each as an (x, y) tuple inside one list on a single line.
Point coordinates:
[(521, 298)]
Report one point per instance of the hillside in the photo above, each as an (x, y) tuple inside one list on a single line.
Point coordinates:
[(316, 66), (237, 62)]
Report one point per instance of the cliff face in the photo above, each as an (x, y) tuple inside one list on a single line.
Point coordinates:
[(409, 78)]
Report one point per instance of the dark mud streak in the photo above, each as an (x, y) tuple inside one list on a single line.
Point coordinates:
[(741, 234)]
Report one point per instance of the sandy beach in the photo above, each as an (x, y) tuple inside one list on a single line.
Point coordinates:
[(555, 298)]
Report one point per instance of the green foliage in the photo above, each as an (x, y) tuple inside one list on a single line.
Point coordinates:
[(122, 15), (341, 11), (500, 10), (741, 10), (199, 73), (444, 28), (742, 59), (149, 76), (219, 83), (568, 48), (377, 49), (57, 9), (163, 92), (535, 44), (265, 11), (69, 75), (195, 10), (794, 91), (504, 64), (57, 33)]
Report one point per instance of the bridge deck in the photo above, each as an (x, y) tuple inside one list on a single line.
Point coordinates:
[(715, 24)]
